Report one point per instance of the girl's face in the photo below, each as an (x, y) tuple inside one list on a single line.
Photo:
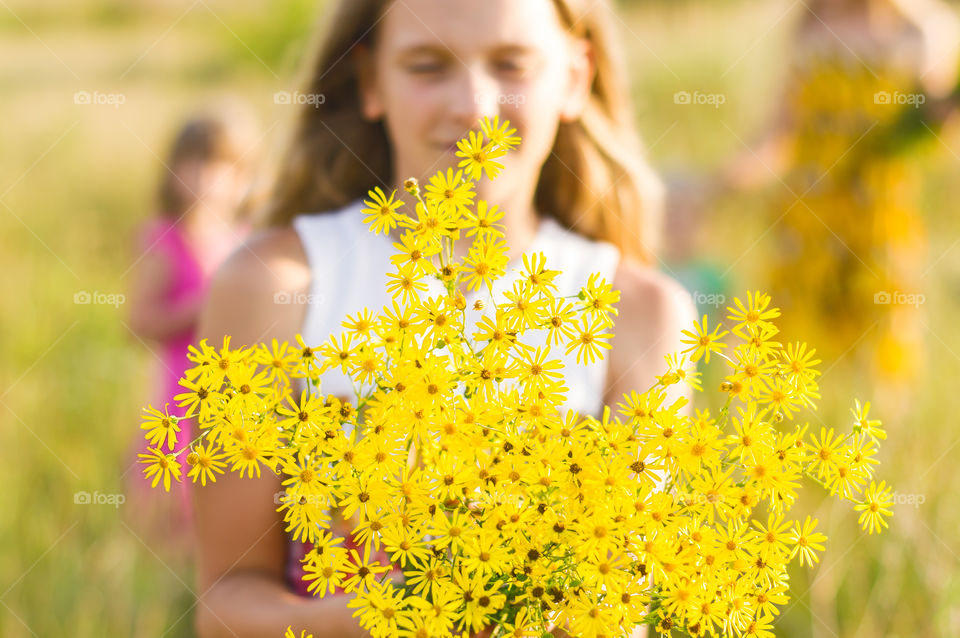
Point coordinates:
[(216, 184), (441, 65)]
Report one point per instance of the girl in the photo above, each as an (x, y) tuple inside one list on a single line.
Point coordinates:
[(402, 81), (194, 230), (868, 78)]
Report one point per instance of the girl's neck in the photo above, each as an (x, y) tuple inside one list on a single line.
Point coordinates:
[(202, 220)]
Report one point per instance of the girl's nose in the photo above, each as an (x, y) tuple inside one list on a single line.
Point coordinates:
[(474, 94)]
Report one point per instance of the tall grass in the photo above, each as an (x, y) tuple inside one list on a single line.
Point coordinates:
[(77, 181)]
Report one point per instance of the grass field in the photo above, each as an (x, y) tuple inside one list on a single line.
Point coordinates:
[(77, 179)]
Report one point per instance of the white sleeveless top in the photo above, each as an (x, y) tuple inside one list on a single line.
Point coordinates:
[(349, 266)]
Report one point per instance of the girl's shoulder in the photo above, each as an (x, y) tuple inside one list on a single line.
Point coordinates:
[(654, 301), (653, 310), (277, 259), (272, 261)]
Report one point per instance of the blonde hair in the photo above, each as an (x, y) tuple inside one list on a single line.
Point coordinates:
[(596, 181)]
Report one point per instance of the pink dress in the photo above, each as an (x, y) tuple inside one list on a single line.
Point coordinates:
[(188, 283)]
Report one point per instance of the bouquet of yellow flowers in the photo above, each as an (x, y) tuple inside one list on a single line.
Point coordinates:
[(495, 507)]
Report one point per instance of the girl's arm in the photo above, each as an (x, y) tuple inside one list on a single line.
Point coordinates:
[(151, 317), (241, 540), (653, 310)]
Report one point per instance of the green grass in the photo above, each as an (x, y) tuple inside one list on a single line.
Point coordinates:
[(77, 180)]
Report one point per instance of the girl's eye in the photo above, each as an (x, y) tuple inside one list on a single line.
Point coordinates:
[(510, 66), (425, 68)]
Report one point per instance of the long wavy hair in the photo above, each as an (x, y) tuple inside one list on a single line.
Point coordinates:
[(596, 181)]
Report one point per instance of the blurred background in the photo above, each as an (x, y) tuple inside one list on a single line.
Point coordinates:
[(736, 100)]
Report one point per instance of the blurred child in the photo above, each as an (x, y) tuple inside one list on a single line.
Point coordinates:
[(849, 233), (196, 224)]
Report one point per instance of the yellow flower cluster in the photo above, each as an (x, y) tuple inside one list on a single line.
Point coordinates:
[(849, 228), (494, 506)]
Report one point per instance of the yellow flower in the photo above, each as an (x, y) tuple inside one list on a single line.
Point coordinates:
[(364, 494), (414, 250), (280, 359), (496, 332), (759, 628), (589, 341), (862, 422), (806, 542), (500, 134), (306, 477), (450, 192), (407, 284), (205, 462), (798, 364), (483, 221), (752, 316), (485, 263), (381, 213), (598, 298), (427, 577), (535, 371), (308, 359), (366, 365), (479, 157), (484, 555), (247, 456), (677, 370), (360, 572), (703, 342), (221, 363), (249, 383), (537, 277), (442, 320), (338, 352), (824, 452), (160, 466), (405, 546), (201, 398), (772, 539), (160, 426), (380, 608), (482, 375), (876, 504), (308, 416), (559, 319), (433, 221)]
